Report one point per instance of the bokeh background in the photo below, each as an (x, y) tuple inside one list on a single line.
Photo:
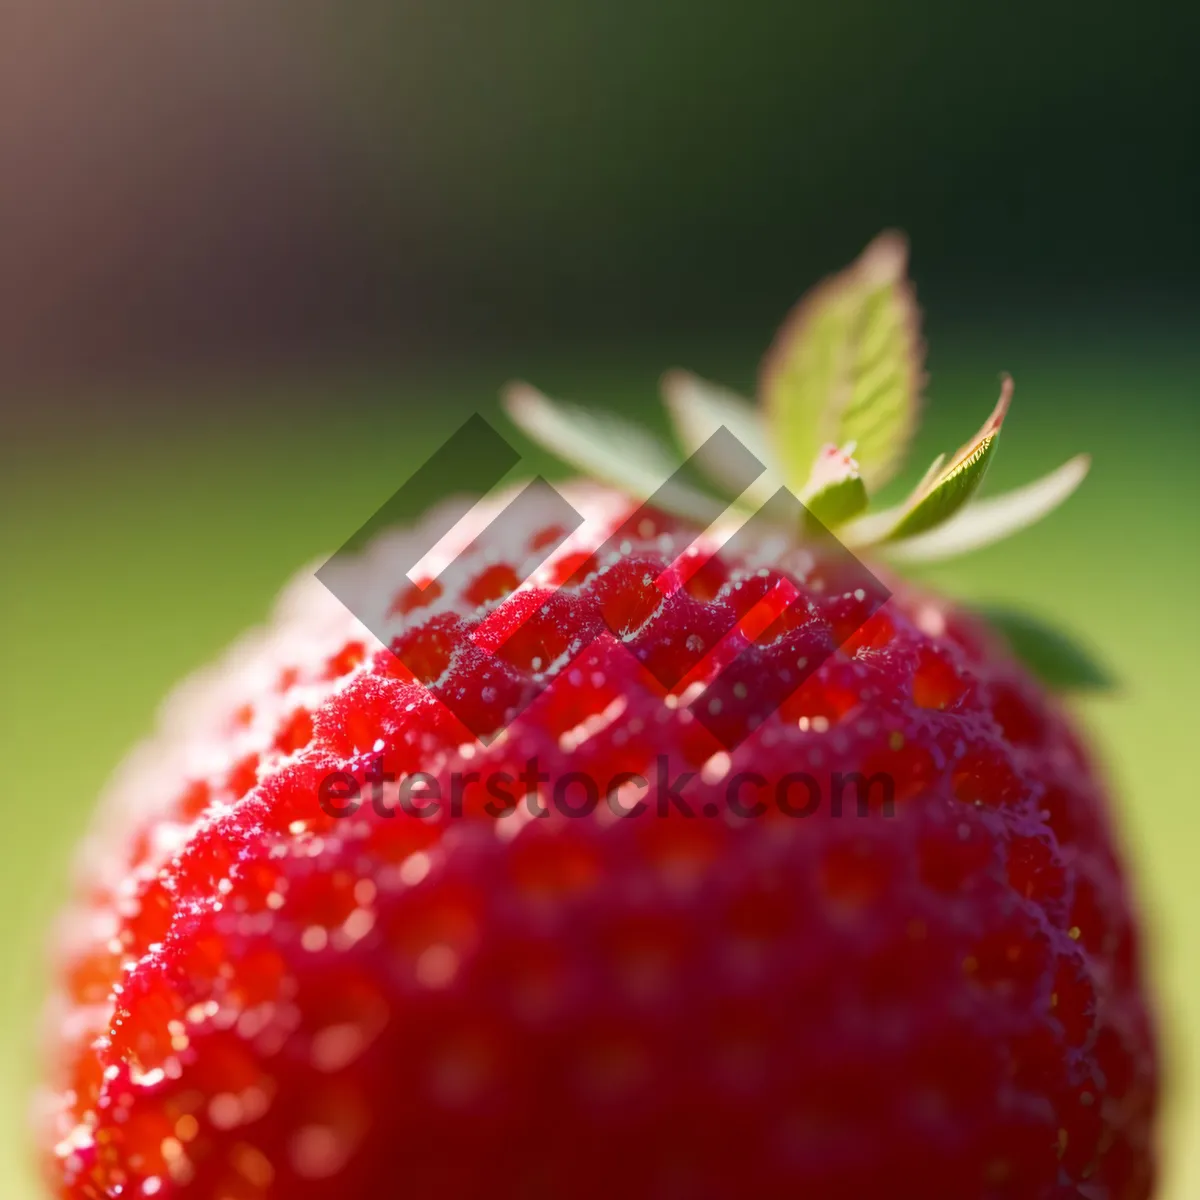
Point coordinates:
[(257, 260)]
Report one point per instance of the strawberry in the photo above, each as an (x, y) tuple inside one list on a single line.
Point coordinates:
[(482, 907)]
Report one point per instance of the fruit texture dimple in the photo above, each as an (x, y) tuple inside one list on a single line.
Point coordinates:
[(258, 1001)]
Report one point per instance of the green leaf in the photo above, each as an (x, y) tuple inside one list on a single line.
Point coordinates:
[(835, 491), (955, 484), (698, 409), (943, 490), (1055, 658), (837, 503), (983, 522), (606, 448), (847, 367)]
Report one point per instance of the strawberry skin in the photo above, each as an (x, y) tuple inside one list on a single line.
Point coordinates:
[(940, 998)]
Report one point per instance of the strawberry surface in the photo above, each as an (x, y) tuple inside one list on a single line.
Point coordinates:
[(705, 971)]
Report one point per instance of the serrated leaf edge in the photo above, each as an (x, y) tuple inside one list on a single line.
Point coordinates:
[(884, 262)]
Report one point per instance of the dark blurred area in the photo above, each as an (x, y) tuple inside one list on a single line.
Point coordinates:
[(222, 184)]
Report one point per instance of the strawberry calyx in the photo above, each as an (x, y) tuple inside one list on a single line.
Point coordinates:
[(840, 396)]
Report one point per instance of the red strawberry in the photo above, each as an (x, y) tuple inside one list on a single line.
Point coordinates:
[(282, 983)]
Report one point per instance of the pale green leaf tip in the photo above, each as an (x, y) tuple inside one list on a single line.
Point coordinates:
[(983, 440), (675, 380), (885, 260), (522, 402)]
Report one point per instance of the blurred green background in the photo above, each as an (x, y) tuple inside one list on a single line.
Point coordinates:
[(256, 261)]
